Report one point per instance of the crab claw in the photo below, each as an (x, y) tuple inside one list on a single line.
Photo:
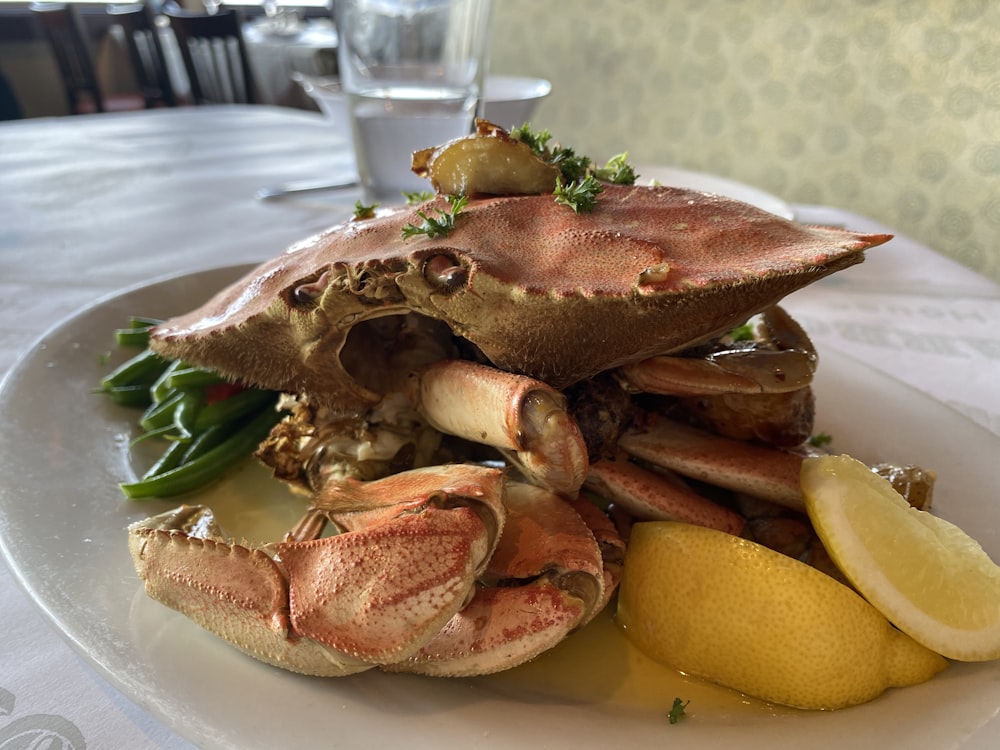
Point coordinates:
[(547, 578), (340, 604), (240, 594), (524, 418)]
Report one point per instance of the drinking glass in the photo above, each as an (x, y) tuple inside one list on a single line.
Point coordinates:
[(413, 73)]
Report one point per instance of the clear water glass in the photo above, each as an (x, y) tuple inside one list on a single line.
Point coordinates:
[(413, 72)]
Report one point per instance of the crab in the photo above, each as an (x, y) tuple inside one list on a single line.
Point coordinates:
[(455, 401)]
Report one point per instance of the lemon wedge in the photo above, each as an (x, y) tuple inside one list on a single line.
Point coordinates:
[(739, 614), (926, 575)]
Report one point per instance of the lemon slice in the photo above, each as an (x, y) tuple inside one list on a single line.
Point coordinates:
[(926, 575), (739, 614)]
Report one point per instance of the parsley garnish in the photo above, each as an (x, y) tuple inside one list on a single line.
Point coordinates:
[(537, 142), (744, 332), (617, 171), (418, 197), (440, 225), (571, 166), (819, 440), (676, 712), (580, 195), (361, 211), (579, 180)]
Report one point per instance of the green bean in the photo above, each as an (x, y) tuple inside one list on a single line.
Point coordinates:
[(137, 334), (193, 377), (142, 369), (159, 390), (161, 413), (186, 412), (172, 457), (235, 407), (207, 467), (129, 395), (205, 440)]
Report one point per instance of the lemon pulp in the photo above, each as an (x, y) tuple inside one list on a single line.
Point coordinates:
[(926, 575)]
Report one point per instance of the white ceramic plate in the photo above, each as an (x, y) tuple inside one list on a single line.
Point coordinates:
[(709, 183), (62, 528)]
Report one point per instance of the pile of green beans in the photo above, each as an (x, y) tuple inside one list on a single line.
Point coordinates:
[(208, 424)]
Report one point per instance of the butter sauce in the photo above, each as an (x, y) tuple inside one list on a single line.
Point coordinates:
[(599, 666)]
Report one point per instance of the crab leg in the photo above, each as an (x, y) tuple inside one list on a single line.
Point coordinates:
[(524, 418), (546, 579), (240, 594), (726, 372), (658, 497), (757, 470), (785, 361), (340, 604)]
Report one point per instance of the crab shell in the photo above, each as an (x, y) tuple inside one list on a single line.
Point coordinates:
[(539, 289)]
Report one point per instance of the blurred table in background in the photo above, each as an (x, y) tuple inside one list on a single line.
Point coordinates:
[(276, 52)]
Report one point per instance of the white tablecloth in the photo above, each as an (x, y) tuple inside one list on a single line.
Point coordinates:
[(92, 204)]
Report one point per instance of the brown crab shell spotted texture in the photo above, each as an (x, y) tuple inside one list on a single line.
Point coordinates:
[(544, 291)]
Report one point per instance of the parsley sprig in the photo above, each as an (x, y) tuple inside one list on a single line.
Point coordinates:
[(421, 196), (820, 440), (617, 171), (580, 195), (440, 225), (362, 212), (579, 180), (676, 712), (744, 332)]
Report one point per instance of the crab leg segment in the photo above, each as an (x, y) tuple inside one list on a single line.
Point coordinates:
[(658, 497), (782, 360), (546, 579), (757, 470), (340, 604), (522, 417), (414, 545), (725, 372), (379, 594), (239, 594)]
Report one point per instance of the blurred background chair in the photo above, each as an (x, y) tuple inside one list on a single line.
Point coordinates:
[(10, 107), (145, 53), (64, 33), (214, 55)]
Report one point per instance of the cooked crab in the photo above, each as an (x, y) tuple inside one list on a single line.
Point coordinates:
[(493, 343)]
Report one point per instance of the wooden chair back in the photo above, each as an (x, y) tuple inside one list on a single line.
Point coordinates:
[(145, 52), (214, 55), (64, 32)]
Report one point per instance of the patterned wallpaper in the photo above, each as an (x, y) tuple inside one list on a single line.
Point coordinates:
[(889, 108)]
